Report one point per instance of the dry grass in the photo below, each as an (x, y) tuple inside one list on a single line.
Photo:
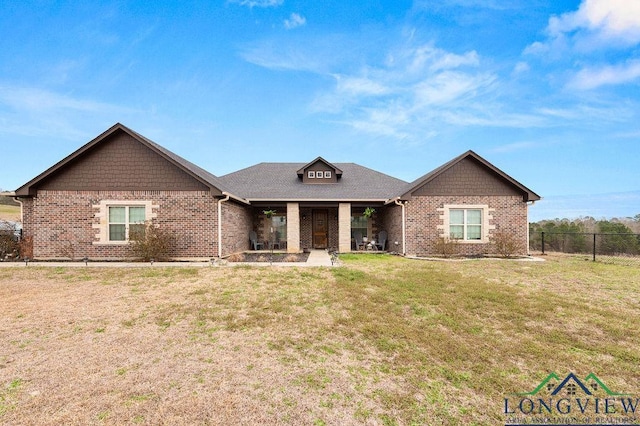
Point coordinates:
[(381, 340), (9, 212)]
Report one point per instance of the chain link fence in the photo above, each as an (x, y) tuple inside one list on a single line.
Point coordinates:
[(621, 248)]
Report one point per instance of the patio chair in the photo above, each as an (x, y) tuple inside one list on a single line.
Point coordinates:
[(273, 244), (255, 245), (382, 240), (358, 237)]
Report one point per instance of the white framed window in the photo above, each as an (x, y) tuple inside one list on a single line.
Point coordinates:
[(125, 222), (467, 223), (327, 174), (116, 221), (311, 174)]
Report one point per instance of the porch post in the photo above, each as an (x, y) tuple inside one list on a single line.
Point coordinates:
[(293, 227), (344, 227)]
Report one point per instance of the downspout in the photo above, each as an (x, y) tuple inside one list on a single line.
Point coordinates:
[(220, 201), (528, 236), (404, 226), (19, 201)]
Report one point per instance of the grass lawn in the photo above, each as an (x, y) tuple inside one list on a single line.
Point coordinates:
[(9, 212), (379, 340)]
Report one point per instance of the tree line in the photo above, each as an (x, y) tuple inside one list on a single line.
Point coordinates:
[(617, 236)]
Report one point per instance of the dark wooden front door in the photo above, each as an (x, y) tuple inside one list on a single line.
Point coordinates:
[(320, 229)]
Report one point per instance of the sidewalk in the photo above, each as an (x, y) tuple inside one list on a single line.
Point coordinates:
[(316, 258)]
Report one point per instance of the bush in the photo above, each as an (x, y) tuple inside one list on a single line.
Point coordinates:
[(506, 244), (151, 243), (446, 247), (9, 241)]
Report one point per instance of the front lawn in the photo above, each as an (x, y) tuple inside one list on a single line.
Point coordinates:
[(379, 340)]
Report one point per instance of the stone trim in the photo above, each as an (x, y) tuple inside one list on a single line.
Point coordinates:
[(487, 217), (102, 218)]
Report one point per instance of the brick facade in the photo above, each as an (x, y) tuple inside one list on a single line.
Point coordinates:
[(62, 223), (237, 222), (65, 209), (425, 222), (390, 218)]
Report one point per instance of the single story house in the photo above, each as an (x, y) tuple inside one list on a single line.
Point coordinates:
[(88, 203)]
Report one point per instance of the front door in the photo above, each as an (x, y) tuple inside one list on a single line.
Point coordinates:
[(320, 229)]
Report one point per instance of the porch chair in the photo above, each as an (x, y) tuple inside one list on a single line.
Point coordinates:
[(358, 237), (273, 244), (382, 239), (255, 245)]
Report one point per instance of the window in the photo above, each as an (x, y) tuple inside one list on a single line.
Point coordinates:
[(327, 174), (279, 224), (465, 224), (359, 224), (116, 221), (125, 222), (311, 174)]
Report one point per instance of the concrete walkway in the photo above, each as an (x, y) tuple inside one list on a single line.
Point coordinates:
[(316, 258)]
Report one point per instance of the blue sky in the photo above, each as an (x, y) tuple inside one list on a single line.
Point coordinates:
[(548, 91)]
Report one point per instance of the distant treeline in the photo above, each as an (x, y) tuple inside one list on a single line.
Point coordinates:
[(617, 235), (8, 201), (630, 225)]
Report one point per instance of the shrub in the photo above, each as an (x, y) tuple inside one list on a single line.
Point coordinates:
[(9, 244), (446, 247), (506, 244), (151, 243), (236, 257)]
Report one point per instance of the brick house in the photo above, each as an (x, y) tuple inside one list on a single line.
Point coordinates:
[(88, 203)]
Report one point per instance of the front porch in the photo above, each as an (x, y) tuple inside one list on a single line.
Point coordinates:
[(295, 227)]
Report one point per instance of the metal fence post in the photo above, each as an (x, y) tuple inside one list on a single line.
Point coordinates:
[(594, 247), (542, 242)]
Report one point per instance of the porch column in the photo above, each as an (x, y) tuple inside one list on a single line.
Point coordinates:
[(293, 227), (344, 227)]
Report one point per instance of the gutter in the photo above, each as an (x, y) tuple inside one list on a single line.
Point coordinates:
[(397, 202), (220, 201), (528, 242)]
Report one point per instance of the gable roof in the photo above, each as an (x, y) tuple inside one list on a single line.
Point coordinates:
[(198, 173), (337, 171), (528, 195), (280, 182)]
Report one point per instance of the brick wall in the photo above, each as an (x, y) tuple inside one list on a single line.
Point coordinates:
[(509, 214), (62, 223), (237, 221), (306, 220), (391, 221)]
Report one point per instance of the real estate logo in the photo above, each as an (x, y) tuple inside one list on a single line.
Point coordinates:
[(571, 401)]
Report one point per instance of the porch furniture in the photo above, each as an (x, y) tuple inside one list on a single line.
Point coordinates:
[(357, 236), (255, 245), (382, 239), (277, 242)]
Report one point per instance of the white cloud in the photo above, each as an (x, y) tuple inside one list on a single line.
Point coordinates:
[(35, 112), (521, 67), (594, 77), (417, 91), (618, 19), (360, 86), (294, 21), (597, 24), (257, 3), (515, 146)]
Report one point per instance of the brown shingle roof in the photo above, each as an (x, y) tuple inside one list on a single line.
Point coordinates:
[(280, 182)]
